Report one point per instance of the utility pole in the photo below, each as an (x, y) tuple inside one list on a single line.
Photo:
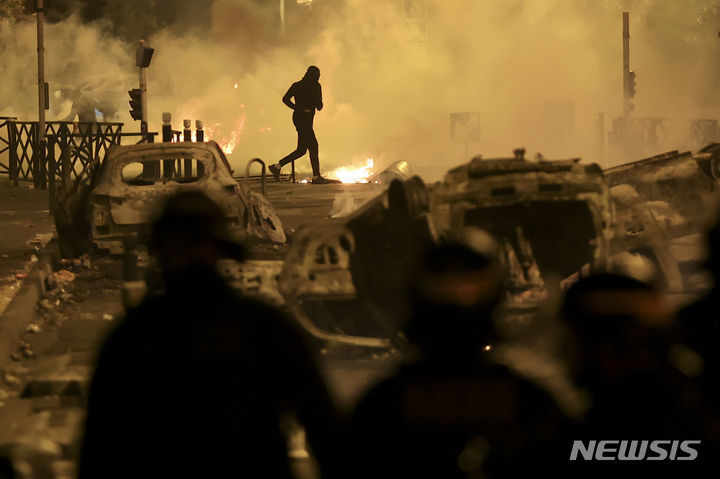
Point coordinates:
[(42, 94), (282, 16), (143, 55), (143, 100), (628, 76)]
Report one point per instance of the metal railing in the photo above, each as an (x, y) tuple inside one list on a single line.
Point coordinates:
[(71, 157)]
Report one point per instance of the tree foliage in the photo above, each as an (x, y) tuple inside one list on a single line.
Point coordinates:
[(128, 19), (12, 9)]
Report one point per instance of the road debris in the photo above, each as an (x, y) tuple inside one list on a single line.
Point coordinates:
[(10, 380), (39, 241), (33, 328), (343, 205), (83, 261), (46, 304), (60, 279)]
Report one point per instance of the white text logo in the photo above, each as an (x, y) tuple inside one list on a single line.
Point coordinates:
[(661, 450)]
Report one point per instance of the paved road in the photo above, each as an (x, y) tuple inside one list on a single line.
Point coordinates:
[(24, 217), (40, 393)]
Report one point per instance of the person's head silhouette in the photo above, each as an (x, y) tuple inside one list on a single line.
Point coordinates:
[(312, 73), (454, 292), (192, 232)]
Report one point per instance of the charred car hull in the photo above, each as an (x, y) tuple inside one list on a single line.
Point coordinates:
[(127, 189)]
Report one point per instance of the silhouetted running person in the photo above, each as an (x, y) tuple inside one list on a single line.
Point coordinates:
[(308, 98)]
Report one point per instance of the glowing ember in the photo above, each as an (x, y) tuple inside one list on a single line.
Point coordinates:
[(347, 174), (236, 85)]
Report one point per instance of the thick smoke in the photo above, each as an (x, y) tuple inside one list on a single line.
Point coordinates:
[(538, 73), (77, 56)]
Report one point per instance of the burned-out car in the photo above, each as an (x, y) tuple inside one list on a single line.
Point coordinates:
[(126, 189), (663, 205), (552, 221)]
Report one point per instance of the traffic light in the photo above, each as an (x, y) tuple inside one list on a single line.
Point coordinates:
[(143, 55), (631, 84), (135, 104)]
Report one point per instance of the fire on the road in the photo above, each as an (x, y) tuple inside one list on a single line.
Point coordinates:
[(347, 174)]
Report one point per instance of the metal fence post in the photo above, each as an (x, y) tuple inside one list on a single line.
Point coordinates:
[(43, 164), (12, 152), (167, 134), (187, 136), (52, 191), (35, 162), (65, 167), (200, 138)]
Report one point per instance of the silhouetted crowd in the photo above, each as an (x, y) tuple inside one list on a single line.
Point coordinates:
[(201, 382)]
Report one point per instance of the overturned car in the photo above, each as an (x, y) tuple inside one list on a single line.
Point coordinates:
[(552, 220), (663, 206), (125, 190)]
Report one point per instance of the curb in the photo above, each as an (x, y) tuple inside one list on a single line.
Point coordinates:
[(21, 310)]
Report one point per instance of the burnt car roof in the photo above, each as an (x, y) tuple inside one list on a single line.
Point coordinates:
[(483, 168), (211, 147)]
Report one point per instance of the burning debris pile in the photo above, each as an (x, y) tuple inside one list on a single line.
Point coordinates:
[(348, 174)]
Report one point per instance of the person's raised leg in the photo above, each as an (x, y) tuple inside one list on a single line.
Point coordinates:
[(299, 151)]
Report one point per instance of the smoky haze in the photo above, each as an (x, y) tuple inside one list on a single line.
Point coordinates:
[(537, 72)]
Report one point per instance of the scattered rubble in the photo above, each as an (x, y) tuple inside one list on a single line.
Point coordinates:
[(10, 380), (82, 262), (39, 241), (48, 304), (33, 329), (343, 205), (60, 279)]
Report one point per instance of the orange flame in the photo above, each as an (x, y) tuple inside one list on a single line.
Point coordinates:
[(360, 174), (229, 142)]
